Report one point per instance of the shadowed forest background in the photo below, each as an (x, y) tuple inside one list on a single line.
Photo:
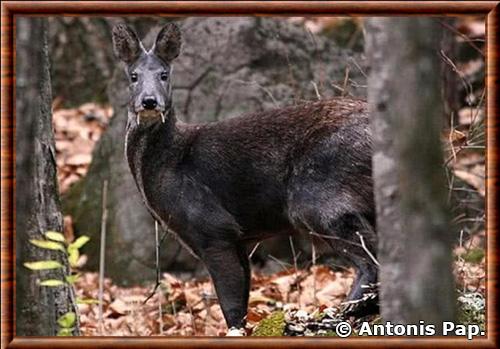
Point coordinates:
[(227, 67)]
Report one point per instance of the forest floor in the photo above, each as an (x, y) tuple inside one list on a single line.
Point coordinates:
[(188, 308)]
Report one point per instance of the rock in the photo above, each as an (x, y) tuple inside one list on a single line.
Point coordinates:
[(302, 315), (298, 328)]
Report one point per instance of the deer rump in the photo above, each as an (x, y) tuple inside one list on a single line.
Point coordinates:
[(222, 185)]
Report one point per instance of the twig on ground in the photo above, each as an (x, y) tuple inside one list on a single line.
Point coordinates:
[(337, 87), (193, 322), (316, 90)]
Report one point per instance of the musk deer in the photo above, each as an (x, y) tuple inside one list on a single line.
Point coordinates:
[(220, 186)]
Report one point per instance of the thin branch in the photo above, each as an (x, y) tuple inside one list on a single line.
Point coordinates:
[(253, 250), (158, 270), (465, 37), (102, 254), (346, 80), (284, 265), (467, 84), (294, 255), (292, 247), (265, 89), (357, 66), (313, 256), (366, 249), (334, 238), (193, 322), (158, 275)]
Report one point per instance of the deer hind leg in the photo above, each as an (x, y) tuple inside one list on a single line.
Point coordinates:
[(338, 224), (354, 239)]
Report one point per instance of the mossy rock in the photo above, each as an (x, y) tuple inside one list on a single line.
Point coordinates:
[(274, 325), (471, 310)]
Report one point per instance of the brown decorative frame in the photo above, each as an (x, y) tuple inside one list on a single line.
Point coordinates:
[(9, 9)]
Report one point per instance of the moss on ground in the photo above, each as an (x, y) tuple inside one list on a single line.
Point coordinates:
[(274, 325), (474, 256)]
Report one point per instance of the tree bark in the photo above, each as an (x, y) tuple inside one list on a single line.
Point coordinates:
[(37, 198), (412, 215)]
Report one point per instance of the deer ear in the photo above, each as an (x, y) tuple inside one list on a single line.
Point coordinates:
[(168, 42), (126, 45)]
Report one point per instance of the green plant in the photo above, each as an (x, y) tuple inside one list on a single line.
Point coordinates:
[(66, 323), (57, 242), (274, 325)]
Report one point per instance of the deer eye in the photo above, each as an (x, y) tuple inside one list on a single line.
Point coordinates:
[(133, 77), (164, 76)]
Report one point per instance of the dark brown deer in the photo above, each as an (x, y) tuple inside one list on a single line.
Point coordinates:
[(220, 186)]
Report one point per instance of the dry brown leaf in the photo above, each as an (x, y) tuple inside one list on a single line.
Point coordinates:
[(120, 307), (469, 115), (475, 177), (78, 159), (257, 297), (76, 133), (69, 233), (254, 316)]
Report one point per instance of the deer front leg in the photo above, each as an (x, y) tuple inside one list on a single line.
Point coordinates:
[(229, 268)]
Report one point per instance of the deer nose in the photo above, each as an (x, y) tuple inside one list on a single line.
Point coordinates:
[(149, 103)]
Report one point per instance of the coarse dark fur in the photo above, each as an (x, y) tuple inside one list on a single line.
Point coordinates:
[(221, 185)]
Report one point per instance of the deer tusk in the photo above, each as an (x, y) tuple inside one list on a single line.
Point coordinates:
[(138, 118), (162, 118)]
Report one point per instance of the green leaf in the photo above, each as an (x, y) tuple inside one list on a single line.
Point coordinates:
[(65, 332), (49, 245), (52, 283), (78, 243), (43, 265), (86, 301), (71, 279), (67, 320), (55, 236), (73, 255)]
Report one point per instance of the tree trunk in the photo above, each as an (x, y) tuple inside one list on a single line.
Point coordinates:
[(412, 216), (37, 198)]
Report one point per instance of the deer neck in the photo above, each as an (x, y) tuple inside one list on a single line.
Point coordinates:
[(151, 146)]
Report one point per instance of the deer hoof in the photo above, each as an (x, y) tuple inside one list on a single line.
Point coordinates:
[(236, 332)]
